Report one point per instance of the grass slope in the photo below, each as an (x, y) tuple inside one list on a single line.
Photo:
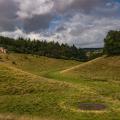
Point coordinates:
[(104, 68), (101, 74), (38, 65), (23, 93)]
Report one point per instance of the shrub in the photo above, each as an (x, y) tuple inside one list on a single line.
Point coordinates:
[(14, 63)]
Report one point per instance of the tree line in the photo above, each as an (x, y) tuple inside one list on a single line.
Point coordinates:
[(62, 51), (43, 48)]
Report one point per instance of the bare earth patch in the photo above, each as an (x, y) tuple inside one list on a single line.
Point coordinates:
[(92, 106)]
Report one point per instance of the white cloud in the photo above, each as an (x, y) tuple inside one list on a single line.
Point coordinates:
[(28, 8), (82, 30), (86, 30), (20, 33)]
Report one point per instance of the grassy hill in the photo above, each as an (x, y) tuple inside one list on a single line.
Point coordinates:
[(25, 95), (102, 69), (38, 65), (101, 74)]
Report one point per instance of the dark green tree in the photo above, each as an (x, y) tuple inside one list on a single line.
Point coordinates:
[(112, 43)]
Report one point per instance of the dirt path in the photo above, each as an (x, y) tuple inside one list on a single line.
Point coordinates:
[(81, 65)]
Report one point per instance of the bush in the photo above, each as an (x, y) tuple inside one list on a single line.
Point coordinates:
[(14, 63)]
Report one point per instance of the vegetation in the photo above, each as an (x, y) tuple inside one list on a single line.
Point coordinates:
[(93, 53), (43, 48), (38, 65), (112, 43), (100, 69), (24, 93)]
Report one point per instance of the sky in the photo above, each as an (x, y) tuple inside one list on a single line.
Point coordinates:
[(84, 23)]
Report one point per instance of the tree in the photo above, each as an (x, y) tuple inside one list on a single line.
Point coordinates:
[(112, 43)]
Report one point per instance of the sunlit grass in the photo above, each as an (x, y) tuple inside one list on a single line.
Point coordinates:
[(39, 65), (25, 95)]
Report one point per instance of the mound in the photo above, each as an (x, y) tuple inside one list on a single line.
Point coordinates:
[(25, 93), (38, 65), (104, 68)]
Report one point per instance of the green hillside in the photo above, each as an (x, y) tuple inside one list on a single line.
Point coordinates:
[(25, 95), (38, 65), (100, 69), (101, 74)]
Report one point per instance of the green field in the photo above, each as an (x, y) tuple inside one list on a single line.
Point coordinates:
[(41, 88)]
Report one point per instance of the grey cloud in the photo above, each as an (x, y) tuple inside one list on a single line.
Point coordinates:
[(86, 4), (37, 23), (61, 28), (83, 5), (7, 15)]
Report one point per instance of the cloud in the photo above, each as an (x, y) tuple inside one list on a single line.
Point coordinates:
[(28, 8), (37, 22), (7, 15), (80, 22), (20, 33), (85, 30)]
